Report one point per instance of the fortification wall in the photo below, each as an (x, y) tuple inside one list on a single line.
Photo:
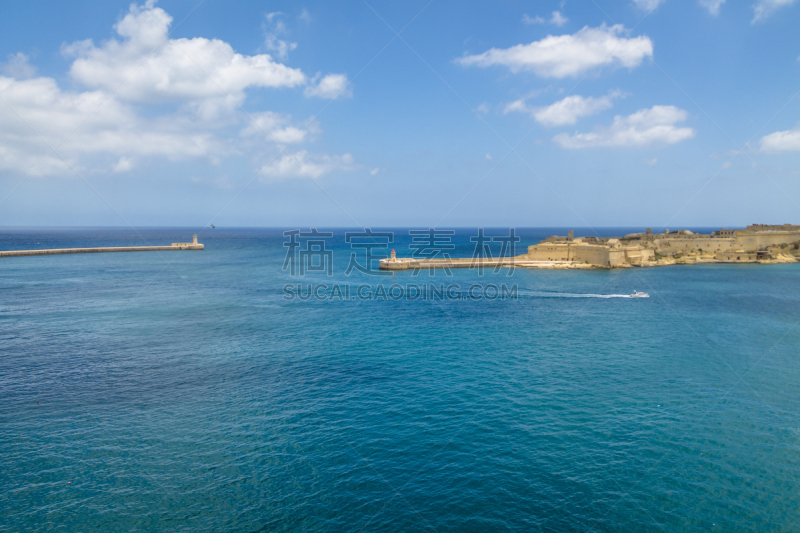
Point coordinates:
[(760, 241), (598, 255), (733, 257), (550, 252), (637, 255), (669, 246), (581, 253)]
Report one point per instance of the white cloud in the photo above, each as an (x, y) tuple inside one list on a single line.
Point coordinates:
[(526, 19), (374, 171), (517, 106), (764, 8), (569, 55), (305, 16), (331, 87), (277, 127), (651, 162), (712, 5), (558, 19), (275, 29), (145, 66), (303, 165), (654, 126), (570, 109), (782, 141), (648, 5), (123, 165), (39, 114), (121, 120), (566, 111), (17, 66)]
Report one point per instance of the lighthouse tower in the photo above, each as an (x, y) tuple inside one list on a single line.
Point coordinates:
[(393, 257)]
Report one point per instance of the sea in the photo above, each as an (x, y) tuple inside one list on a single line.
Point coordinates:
[(277, 381)]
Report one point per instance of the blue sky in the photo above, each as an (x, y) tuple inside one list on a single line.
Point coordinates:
[(662, 113)]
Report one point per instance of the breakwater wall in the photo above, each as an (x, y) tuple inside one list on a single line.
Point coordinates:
[(55, 251), (194, 245), (396, 263)]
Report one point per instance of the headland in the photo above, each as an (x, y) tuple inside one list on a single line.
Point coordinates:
[(757, 243), (194, 245)]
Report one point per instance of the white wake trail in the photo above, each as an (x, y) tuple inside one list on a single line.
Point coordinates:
[(540, 294)]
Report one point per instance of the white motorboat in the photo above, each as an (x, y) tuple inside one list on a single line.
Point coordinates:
[(637, 294)]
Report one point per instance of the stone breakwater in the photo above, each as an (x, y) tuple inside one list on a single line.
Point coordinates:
[(194, 245), (516, 262)]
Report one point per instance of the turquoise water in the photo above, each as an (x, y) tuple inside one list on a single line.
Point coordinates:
[(182, 391)]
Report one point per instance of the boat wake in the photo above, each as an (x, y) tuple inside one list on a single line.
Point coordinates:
[(547, 294)]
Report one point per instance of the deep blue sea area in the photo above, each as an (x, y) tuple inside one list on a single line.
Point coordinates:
[(188, 391)]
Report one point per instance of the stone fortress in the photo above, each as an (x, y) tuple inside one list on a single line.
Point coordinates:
[(758, 243)]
